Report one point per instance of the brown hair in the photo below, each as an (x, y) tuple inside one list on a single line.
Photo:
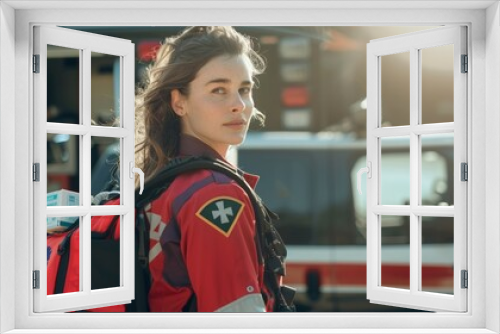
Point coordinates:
[(177, 62)]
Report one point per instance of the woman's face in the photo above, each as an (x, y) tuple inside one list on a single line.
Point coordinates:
[(219, 105)]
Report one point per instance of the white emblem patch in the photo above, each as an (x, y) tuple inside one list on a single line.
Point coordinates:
[(222, 212)]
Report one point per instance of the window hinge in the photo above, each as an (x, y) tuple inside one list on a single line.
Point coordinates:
[(464, 171), (465, 279), (36, 279), (36, 172), (465, 64), (36, 63)]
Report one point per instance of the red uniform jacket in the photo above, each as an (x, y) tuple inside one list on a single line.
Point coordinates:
[(202, 242)]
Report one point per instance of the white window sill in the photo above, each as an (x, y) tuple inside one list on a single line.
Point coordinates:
[(252, 331)]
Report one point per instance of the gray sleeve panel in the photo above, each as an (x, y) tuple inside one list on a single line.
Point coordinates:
[(248, 303)]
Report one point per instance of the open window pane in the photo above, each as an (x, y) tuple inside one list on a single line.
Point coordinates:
[(395, 260), (395, 170), (105, 167), (63, 69), (437, 254), (105, 89), (437, 84), (395, 89), (62, 257), (437, 169), (105, 252), (63, 174)]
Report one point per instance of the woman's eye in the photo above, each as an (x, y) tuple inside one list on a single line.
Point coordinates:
[(219, 90), (245, 90)]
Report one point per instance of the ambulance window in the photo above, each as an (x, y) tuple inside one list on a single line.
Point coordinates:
[(287, 187), (335, 213)]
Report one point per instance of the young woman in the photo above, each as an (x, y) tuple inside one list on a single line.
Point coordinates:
[(197, 101)]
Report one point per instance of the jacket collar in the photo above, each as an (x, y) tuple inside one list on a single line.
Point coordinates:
[(192, 146)]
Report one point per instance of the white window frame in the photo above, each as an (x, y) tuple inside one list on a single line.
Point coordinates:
[(16, 21), (414, 43), (124, 51)]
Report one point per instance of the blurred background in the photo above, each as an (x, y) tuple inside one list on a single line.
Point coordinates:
[(313, 94)]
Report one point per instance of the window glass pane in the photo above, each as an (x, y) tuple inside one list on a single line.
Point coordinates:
[(63, 178), (105, 167), (437, 84), (437, 169), (395, 89), (105, 252), (58, 248), (63, 85), (105, 89), (395, 171), (395, 246), (437, 254)]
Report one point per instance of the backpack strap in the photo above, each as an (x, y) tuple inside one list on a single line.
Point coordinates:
[(142, 274), (64, 252)]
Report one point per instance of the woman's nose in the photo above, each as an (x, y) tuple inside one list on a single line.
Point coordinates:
[(238, 104)]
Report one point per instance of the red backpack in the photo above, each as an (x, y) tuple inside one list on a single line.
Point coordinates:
[(63, 247)]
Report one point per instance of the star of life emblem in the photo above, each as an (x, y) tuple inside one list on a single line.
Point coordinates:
[(221, 213)]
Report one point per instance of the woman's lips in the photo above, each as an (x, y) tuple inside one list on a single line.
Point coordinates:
[(236, 123)]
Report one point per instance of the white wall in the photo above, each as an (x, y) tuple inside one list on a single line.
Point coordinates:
[(492, 162), (7, 160)]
